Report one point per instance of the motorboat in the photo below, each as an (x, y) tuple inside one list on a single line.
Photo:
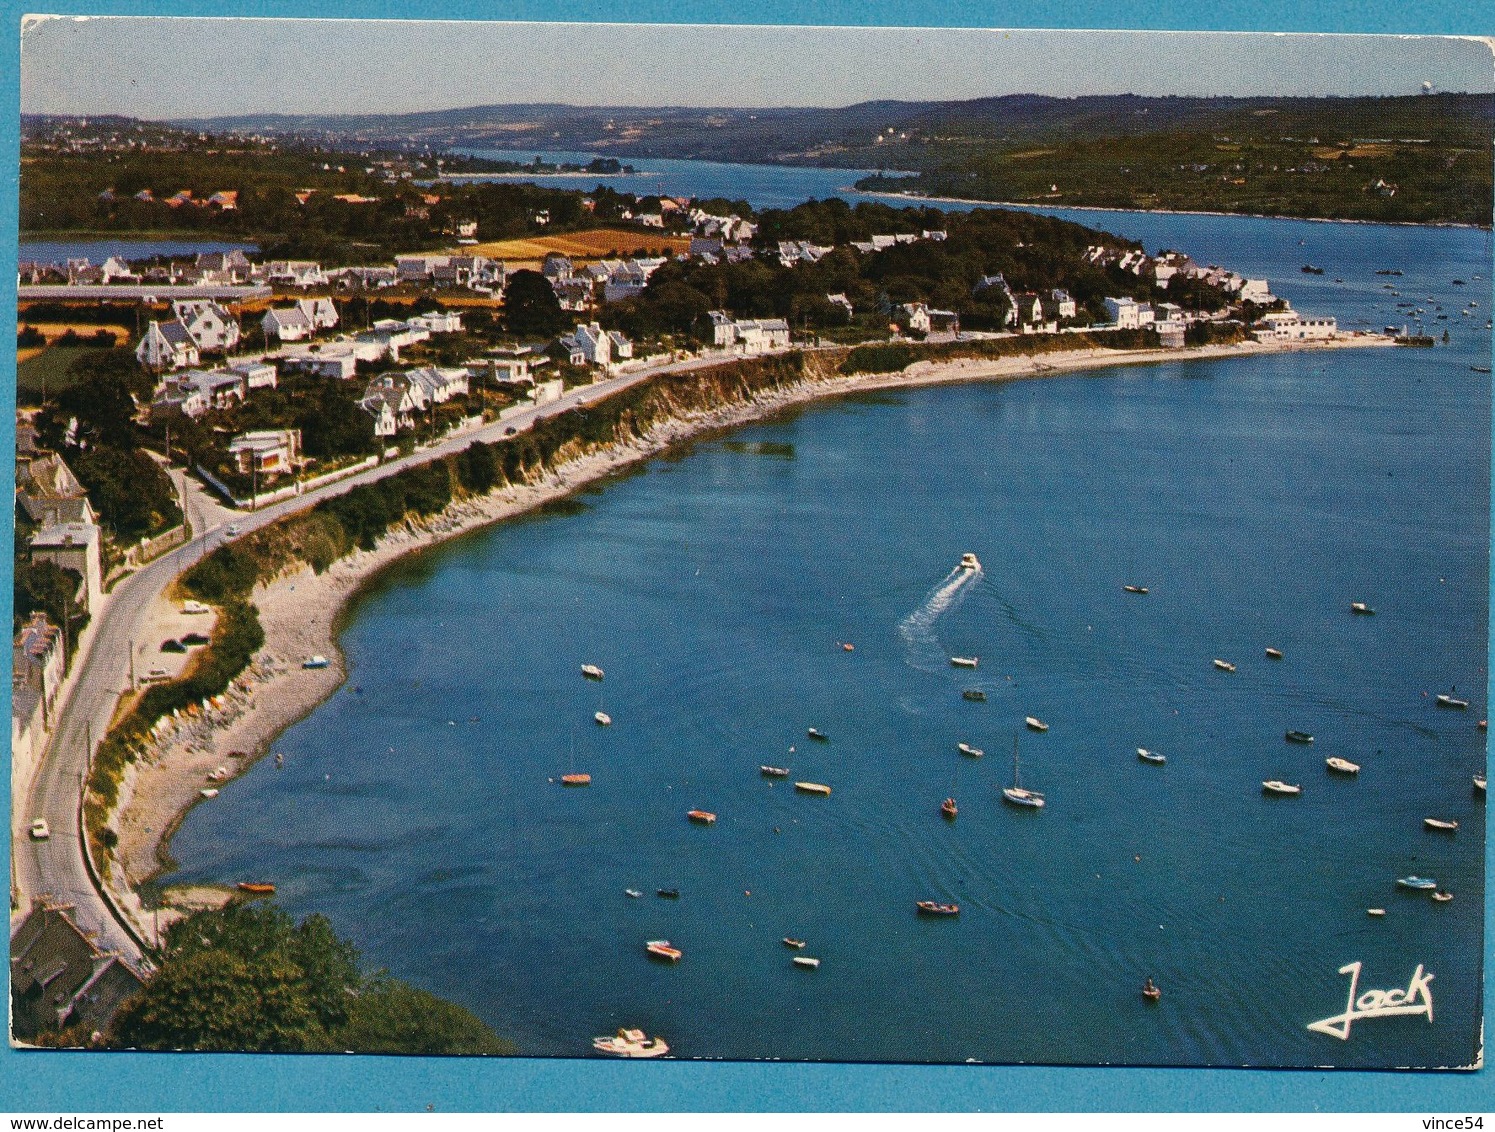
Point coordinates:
[(1277, 786), (948, 808), (1151, 991), (209, 792), (816, 733), (661, 949), (603, 719), (1151, 756), (1298, 737), (975, 695), (967, 749), (1275, 654), (1135, 589), (965, 661), (667, 893), (1375, 911), (631, 1043), (1441, 896), (576, 780), (934, 908), (1224, 665), (701, 817), (808, 962), (1479, 783), (1420, 884), (968, 561), (790, 941), (774, 771), (1015, 793), (1450, 702), (592, 672), (255, 887), (813, 788), (1361, 608), (632, 893), (317, 661), (1035, 724), (847, 646), (1440, 824), (1343, 766)]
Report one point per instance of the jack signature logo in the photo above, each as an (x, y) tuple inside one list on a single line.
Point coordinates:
[(1416, 999)]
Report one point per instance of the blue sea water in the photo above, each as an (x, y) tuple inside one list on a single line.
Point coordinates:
[(420, 809)]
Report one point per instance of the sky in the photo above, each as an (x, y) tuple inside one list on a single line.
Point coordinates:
[(163, 68)]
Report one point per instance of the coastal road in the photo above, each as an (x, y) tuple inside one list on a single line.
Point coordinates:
[(56, 867)]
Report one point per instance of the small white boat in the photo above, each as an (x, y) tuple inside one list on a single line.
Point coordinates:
[(317, 661), (806, 961), (1450, 702), (1036, 724), (1275, 654), (1442, 897), (969, 561), (208, 792), (1440, 824), (632, 893), (1277, 786), (965, 661), (603, 719), (631, 1043), (1150, 756), (662, 949), (813, 788), (1224, 665), (1375, 911), (1421, 884), (774, 771), (1361, 608), (591, 672), (1479, 783), (1344, 766), (1015, 793), (816, 733), (1135, 589), (967, 749)]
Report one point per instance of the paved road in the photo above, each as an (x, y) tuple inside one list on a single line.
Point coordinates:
[(56, 867)]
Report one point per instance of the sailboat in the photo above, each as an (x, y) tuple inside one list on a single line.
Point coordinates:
[(1015, 793)]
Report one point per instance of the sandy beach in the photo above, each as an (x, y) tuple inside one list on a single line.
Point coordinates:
[(299, 610)]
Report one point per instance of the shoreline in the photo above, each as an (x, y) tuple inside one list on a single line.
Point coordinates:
[(1167, 211), (302, 612)]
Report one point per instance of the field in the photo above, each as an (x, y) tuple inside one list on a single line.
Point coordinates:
[(592, 244), (55, 330), (46, 370)]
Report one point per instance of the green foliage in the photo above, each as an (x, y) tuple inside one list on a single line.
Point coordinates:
[(131, 492), (879, 359), (248, 978), (48, 588), (530, 306), (228, 574)]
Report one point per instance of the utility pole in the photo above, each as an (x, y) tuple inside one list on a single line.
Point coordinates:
[(132, 667)]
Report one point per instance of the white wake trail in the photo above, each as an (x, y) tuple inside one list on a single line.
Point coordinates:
[(921, 644)]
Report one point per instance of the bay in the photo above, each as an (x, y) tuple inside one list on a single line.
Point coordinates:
[(419, 807)]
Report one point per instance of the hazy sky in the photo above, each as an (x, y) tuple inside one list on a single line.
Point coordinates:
[(191, 67)]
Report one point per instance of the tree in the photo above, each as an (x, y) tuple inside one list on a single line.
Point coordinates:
[(388, 1016), (531, 307)]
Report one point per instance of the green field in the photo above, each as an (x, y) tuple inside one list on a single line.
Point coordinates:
[(46, 372)]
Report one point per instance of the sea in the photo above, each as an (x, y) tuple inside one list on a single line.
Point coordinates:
[(420, 808)]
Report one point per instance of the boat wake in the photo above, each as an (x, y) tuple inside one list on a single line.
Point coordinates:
[(921, 645)]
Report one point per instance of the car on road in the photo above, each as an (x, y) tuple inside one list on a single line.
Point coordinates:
[(39, 830), (510, 431), (235, 531)]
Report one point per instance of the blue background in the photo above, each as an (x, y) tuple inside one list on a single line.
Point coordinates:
[(78, 1082)]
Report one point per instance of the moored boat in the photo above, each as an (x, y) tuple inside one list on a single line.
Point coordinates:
[(603, 719), (631, 1043), (592, 672), (1277, 786), (1151, 756), (1343, 766), (662, 949), (317, 661), (1361, 608), (1151, 991), (667, 893), (1444, 700), (934, 908), (1298, 737), (1015, 793), (1420, 884), (1440, 824), (975, 695), (1479, 783), (948, 808), (816, 733), (808, 962), (1135, 589), (1442, 897), (774, 771), (970, 751), (813, 788), (701, 817), (1275, 654), (1224, 665), (968, 561), (1375, 911), (965, 661), (1035, 724), (257, 888), (576, 780), (790, 941)]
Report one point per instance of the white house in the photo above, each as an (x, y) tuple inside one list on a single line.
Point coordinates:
[(723, 332), (267, 451), (915, 316), (256, 375), (622, 348), (393, 400), (760, 335), (286, 324), (588, 345), (1128, 314), (439, 385), (1063, 305), (167, 345), (211, 327), (1256, 291), (437, 322), (74, 546)]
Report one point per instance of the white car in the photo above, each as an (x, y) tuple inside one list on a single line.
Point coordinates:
[(234, 532), (39, 830)]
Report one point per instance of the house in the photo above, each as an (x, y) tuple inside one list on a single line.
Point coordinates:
[(256, 375), (1061, 305), (48, 492), (225, 199), (1172, 333), (38, 663), (75, 547), (588, 345), (1290, 326), (439, 385), (338, 361), (437, 322), (286, 324), (914, 317), (267, 452), (196, 391), (723, 333), (1257, 291), (622, 348), (840, 300), (188, 400), (116, 268), (760, 335), (167, 345), (59, 977), (418, 268), (233, 266), (1127, 313), (294, 273), (392, 399), (557, 267), (211, 327)]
